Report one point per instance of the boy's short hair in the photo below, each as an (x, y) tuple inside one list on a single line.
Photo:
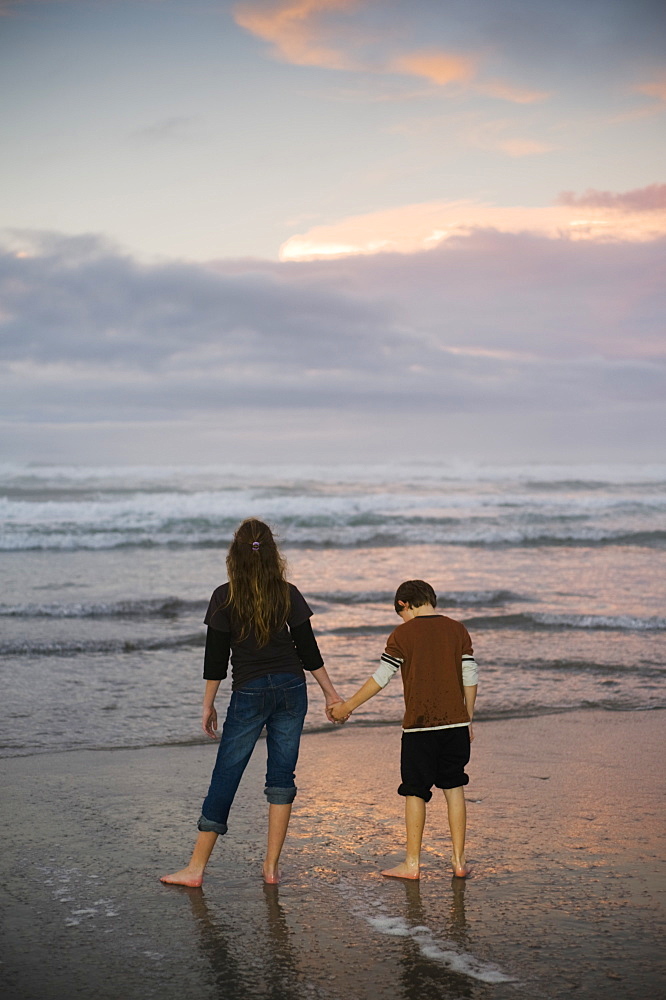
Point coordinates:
[(416, 593)]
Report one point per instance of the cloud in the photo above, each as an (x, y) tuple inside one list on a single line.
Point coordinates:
[(471, 130), (499, 136), (491, 324), (173, 127), (523, 147), (504, 91), (79, 301), (446, 68), (647, 199), (296, 30), (413, 228), (440, 68), (654, 88), (302, 33)]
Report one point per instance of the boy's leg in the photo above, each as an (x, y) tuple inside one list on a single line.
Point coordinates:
[(417, 779), (415, 814), (455, 801), (454, 757)]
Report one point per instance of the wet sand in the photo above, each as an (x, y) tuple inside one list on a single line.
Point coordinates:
[(566, 834)]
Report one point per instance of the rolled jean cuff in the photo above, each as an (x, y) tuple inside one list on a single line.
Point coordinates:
[(280, 796), (210, 826)]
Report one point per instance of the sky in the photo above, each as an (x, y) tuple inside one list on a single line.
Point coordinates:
[(332, 231)]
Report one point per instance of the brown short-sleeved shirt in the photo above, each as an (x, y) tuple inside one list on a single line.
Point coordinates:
[(431, 648)]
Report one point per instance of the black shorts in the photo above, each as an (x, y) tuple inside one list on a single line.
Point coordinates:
[(433, 757)]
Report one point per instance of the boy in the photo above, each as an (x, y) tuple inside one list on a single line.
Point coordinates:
[(439, 676)]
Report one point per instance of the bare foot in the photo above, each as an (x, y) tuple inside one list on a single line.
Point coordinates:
[(460, 868), (271, 877), (186, 876), (403, 871)]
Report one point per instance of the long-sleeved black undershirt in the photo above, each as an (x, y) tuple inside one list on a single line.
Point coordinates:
[(218, 648)]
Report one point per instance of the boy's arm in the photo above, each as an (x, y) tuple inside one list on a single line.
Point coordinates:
[(342, 711), (388, 665), (470, 678), (470, 698)]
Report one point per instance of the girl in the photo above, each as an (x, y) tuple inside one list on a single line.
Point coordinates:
[(264, 622)]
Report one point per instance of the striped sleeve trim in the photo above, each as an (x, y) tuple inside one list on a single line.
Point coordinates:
[(470, 671), (388, 665)]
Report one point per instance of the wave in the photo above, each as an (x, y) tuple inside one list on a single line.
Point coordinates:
[(525, 711), (105, 646), (66, 510), (349, 537), (118, 743), (557, 622), (170, 476), (649, 670), (483, 598), (171, 608), (534, 621), (167, 607)]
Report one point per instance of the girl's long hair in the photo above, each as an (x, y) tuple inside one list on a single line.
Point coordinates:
[(258, 590)]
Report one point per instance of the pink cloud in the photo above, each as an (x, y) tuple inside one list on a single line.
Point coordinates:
[(441, 68), (419, 227), (294, 29), (523, 147), (444, 68), (301, 34), (654, 88), (504, 91), (647, 199)]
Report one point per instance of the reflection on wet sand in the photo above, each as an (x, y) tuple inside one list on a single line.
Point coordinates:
[(283, 979), (434, 959), (263, 963), (412, 944), (421, 977)]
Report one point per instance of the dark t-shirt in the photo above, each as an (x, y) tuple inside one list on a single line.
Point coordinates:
[(248, 659)]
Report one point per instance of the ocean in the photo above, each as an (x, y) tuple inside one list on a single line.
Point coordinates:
[(558, 573)]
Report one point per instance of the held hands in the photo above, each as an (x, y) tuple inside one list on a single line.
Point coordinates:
[(339, 712), (332, 703), (209, 721)]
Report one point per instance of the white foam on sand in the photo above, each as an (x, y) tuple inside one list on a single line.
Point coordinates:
[(70, 885), (458, 961)]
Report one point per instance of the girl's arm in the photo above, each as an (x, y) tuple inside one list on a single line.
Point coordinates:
[(209, 714), (330, 694), (342, 712), (216, 664), (311, 658)]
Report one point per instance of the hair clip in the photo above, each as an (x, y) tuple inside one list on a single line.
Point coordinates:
[(255, 546)]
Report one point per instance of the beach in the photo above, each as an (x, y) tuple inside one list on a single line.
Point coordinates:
[(558, 574), (566, 832)]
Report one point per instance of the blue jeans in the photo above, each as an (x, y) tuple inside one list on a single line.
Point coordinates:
[(279, 702)]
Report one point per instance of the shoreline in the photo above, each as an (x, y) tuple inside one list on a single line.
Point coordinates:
[(565, 815), (366, 724)]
